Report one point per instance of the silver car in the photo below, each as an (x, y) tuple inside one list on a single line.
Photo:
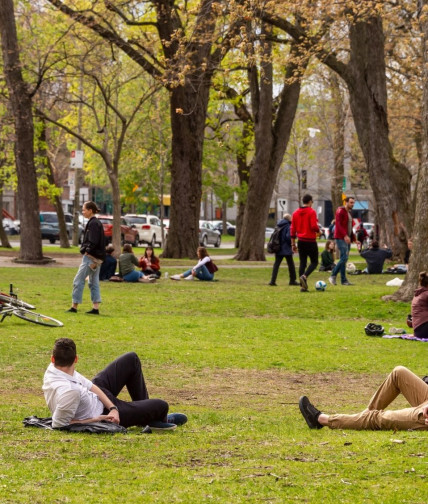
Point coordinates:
[(208, 235)]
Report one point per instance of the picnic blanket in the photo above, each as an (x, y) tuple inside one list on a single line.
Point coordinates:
[(405, 336), (92, 428)]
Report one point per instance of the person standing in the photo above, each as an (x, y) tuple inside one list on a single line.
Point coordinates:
[(285, 251), (93, 251), (304, 226), (344, 236)]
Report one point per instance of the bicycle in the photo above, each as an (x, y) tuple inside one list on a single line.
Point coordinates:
[(11, 305)]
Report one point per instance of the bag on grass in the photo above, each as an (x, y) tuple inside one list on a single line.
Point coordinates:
[(211, 267)]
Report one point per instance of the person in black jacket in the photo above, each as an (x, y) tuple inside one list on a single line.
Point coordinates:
[(285, 251), (375, 257), (108, 267), (93, 251)]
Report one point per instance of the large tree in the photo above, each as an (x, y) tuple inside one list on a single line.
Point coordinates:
[(365, 77), (20, 101), (181, 45)]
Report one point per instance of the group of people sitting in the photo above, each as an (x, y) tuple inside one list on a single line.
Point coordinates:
[(149, 266)]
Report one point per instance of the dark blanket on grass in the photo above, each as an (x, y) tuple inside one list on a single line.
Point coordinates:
[(91, 428)]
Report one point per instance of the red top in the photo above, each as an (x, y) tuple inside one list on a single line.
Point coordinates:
[(144, 263), (341, 224), (304, 224), (420, 307)]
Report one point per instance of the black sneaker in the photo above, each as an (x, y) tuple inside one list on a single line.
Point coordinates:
[(94, 311), (177, 418), (294, 283), (272, 284), (303, 282), (347, 283), (72, 310), (310, 413), (157, 425)]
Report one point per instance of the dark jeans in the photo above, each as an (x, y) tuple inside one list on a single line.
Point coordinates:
[(307, 249), (421, 331), (290, 264), (126, 371)]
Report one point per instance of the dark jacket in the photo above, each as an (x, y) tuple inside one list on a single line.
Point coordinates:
[(420, 307), (93, 239), (375, 257), (108, 267), (285, 238)]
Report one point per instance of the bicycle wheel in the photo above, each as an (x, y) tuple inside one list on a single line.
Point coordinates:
[(15, 302), (37, 318)]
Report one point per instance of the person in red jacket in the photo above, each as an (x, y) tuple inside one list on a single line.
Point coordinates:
[(304, 226), (149, 263), (344, 236)]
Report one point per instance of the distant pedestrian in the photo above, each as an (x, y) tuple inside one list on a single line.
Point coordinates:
[(304, 226), (344, 236), (93, 251), (285, 251)]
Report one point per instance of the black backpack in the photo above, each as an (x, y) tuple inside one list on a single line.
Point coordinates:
[(274, 244)]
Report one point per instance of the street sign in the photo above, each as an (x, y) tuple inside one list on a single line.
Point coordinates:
[(344, 184), (282, 205), (76, 159)]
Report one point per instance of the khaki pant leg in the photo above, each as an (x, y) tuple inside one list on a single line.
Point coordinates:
[(400, 380), (408, 418)]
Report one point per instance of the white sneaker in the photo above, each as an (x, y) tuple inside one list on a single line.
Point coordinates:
[(190, 277), (175, 277)]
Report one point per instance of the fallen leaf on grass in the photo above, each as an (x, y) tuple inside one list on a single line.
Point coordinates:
[(398, 441)]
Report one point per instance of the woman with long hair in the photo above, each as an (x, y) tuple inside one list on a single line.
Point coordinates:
[(127, 263), (149, 263), (204, 270)]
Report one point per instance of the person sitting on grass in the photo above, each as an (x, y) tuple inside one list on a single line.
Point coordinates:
[(127, 271), (327, 257), (420, 307), (400, 380), (149, 263), (108, 267), (203, 270), (72, 398), (375, 257)]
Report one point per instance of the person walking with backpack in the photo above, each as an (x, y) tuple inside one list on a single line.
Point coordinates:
[(284, 250), (304, 226)]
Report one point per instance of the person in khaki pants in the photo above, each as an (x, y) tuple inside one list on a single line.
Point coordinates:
[(400, 380)]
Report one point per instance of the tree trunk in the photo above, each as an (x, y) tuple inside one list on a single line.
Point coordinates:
[(338, 141), (389, 179), (20, 101), (272, 130), (63, 235), (188, 107), (419, 257)]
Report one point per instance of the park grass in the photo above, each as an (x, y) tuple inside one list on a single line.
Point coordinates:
[(235, 355)]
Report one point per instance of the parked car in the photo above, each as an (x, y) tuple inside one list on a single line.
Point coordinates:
[(218, 224), (149, 228), (11, 227), (128, 232), (208, 235), (368, 226), (49, 226)]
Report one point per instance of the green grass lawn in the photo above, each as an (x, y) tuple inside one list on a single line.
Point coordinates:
[(234, 355)]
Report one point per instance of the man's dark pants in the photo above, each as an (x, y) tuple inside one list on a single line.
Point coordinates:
[(290, 264), (307, 249), (126, 371)]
